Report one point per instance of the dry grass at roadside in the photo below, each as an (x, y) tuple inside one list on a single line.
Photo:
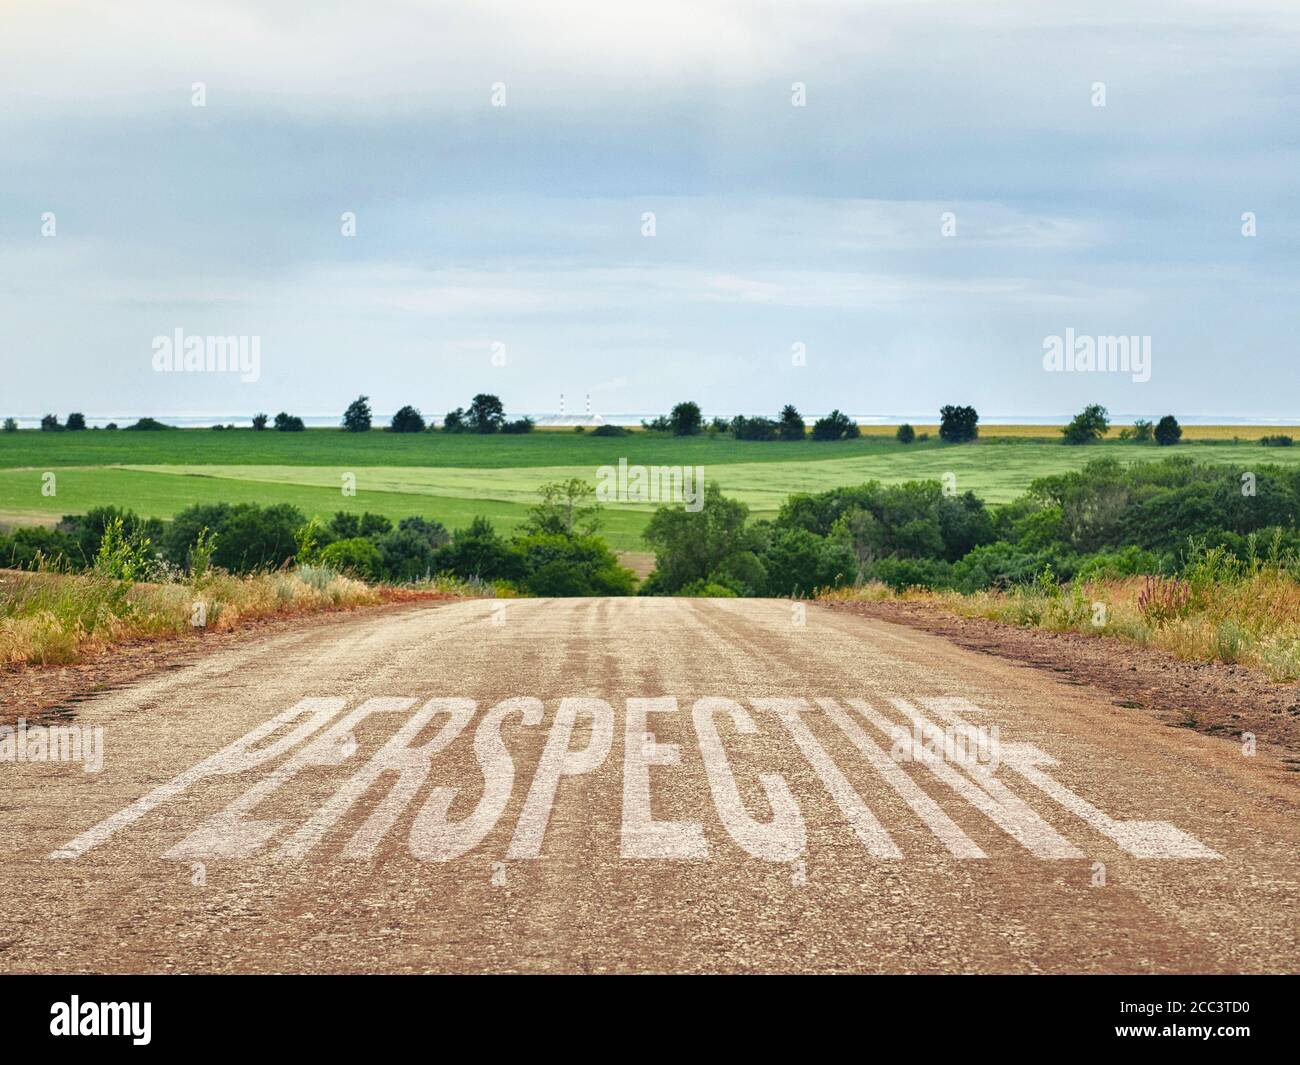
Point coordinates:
[(56, 618), (1222, 611)]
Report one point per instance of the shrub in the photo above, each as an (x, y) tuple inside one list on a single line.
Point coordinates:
[(1143, 431), (345, 525), (11, 425), (1280, 440), (610, 430), (288, 423), (76, 422), (407, 420), (707, 590), (357, 557), (36, 547), (479, 552), (123, 555), (50, 423), (248, 536), (799, 562), (88, 529), (454, 422), (559, 565), (259, 422), (906, 434), (519, 425), (148, 425), (1164, 599), (758, 428)]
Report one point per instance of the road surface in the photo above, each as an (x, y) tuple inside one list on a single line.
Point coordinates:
[(596, 785)]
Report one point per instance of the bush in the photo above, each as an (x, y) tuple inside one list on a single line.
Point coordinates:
[(906, 434), (148, 425), (520, 425), (454, 422), (288, 423), (123, 555), (50, 423), (557, 565), (248, 537), (758, 428), (345, 525), (478, 552), (610, 430), (707, 590), (11, 425), (958, 425), (1164, 599), (1168, 431), (1280, 440), (357, 557), (407, 420), (76, 422), (32, 547), (259, 422), (799, 562), (88, 530)]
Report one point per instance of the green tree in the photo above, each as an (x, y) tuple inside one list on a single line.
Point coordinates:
[(50, 423), (356, 419), (567, 508), (288, 423), (958, 425), (454, 422), (568, 565), (1168, 431), (1143, 431), (791, 424), (685, 419), (407, 420), (1088, 426), (76, 421), (485, 414), (691, 546), (259, 422), (835, 426), (478, 551), (905, 434), (11, 425)]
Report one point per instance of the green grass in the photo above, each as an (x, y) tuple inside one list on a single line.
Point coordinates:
[(454, 478)]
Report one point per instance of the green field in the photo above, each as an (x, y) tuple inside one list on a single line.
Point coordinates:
[(454, 477)]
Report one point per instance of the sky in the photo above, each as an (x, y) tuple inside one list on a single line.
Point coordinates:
[(880, 207)]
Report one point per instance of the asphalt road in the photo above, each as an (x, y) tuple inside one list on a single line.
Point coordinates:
[(635, 785)]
